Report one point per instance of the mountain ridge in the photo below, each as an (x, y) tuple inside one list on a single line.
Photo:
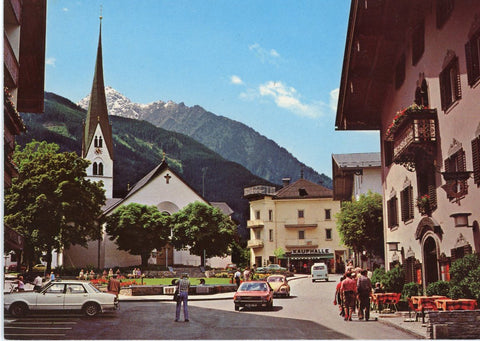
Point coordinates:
[(231, 139)]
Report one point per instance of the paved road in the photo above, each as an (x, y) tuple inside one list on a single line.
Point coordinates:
[(309, 314)]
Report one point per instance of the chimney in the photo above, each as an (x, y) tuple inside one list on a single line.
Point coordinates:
[(286, 182)]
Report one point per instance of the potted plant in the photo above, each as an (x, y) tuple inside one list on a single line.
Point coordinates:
[(423, 204)]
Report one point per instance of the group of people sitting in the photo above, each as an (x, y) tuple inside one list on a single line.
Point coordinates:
[(355, 289)]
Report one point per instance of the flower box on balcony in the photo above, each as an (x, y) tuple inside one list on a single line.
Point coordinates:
[(412, 132)]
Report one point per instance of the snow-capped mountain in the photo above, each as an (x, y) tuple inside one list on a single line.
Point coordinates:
[(120, 105)]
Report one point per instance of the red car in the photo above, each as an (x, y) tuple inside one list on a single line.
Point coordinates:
[(254, 294)]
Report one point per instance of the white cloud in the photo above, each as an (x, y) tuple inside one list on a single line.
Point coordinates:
[(287, 97), (334, 99), (269, 56), (65, 9), (50, 61), (236, 80)]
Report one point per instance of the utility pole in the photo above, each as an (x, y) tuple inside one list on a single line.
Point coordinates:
[(204, 172)]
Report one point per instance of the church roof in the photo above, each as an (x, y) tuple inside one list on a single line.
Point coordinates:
[(303, 189), (97, 108), (222, 206), (147, 179)]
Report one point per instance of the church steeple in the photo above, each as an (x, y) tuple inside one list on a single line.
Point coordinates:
[(97, 142), (97, 109)]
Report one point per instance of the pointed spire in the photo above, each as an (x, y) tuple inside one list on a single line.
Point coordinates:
[(97, 109)]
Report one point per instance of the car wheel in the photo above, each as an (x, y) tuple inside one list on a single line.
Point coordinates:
[(19, 309), (237, 308), (326, 279), (91, 309), (313, 281), (270, 305)]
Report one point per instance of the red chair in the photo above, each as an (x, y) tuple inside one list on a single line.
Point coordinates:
[(413, 307)]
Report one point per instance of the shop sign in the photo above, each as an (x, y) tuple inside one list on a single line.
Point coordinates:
[(310, 252)]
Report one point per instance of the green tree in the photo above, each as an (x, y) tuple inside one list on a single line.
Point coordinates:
[(138, 229), (50, 202), (204, 228), (360, 224)]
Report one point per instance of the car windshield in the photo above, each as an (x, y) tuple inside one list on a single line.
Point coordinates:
[(275, 279), (319, 267), (93, 287), (250, 286), (274, 266)]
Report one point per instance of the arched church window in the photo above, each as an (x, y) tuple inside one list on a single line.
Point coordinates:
[(95, 142), (95, 168), (100, 168), (100, 142)]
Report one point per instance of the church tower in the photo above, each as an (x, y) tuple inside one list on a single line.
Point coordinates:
[(97, 142)]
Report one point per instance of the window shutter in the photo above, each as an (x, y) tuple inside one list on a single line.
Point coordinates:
[(410, 201), (444, 86), (476, 160), (458, 87), (469, 58)]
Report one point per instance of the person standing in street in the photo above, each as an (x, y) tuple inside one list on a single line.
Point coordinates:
[(37, 283), (364, 288), (113, 285), (237, 277), (349, 295), (182, 286)]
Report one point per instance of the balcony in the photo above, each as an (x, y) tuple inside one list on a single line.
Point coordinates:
[(310, 242), (258, 191), (414, 135), (255, 224), (255, 243)]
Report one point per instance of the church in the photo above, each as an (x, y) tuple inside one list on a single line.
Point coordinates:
[(161, 187)]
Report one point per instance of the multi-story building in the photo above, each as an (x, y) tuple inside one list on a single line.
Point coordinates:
[(411, 70), (294, 226), (24, 31)]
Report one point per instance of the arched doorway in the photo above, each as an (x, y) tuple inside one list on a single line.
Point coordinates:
[(430, 260)]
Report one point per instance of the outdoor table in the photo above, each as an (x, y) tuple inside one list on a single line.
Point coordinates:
[(423, 303), (387, 298), (460, 304)]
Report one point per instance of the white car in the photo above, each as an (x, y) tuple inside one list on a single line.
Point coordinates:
[(319, 271), (61, 295)]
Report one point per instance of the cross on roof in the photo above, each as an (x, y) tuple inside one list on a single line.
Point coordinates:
[(167, 177)]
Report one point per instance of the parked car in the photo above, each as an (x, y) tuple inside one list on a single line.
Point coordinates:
[(39, 267), (319, 271), (279, 284), (272, 268), (254, 294), (61, 295)]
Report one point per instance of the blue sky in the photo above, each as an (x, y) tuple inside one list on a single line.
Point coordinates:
[(274, 65)]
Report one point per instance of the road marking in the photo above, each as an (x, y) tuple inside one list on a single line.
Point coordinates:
[(35, 335), (46, 322), (36, 328)]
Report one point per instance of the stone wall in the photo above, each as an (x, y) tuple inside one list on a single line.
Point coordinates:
[(455, 324)]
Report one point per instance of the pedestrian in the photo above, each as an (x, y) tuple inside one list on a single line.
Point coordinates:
[(37, 283), (81, 274), (338, 297), (237, 278), (246, 274), (110, 273), (113, 285), (52, 276), (20, 284), (349, 295), (364, 288), (182, 286)]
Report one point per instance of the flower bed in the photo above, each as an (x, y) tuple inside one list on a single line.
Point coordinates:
[(400, 116)]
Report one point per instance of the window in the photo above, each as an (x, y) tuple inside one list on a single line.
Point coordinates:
[(456, 189), (301, 214), (75, 289), (388, 151), (301, 234), (328, 214), (257, 215), (444, 9), (476, 160), (406, 200), (392, 212), (328, 234), (400, 72), (95, 141), (100, 142), (57, 288), (100, 168), (472, 55), (270, 215), (95, 168), (258, 234), (450, 90), (426, 183), (270, 235), (418, 43)]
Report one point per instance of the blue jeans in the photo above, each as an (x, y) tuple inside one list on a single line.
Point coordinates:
[(183, 297)]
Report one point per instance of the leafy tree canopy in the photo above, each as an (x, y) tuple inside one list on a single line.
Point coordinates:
[(360, 224), (138, 229), (203, 228), (51, 203)]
